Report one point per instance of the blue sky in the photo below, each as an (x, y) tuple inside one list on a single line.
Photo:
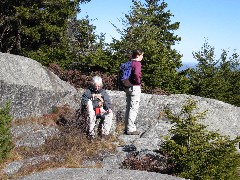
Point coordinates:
[(214, 20)]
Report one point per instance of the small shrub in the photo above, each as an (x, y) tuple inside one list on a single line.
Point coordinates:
[(5, 137), (82, 79), (147, 161), (197, 153)]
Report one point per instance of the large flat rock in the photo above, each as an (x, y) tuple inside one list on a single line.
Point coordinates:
[(97, 174)]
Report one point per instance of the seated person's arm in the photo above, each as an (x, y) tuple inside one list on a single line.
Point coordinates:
[(85, 97), (107, 103)]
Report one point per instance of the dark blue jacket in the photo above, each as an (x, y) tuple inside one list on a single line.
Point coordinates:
[(88, 95)]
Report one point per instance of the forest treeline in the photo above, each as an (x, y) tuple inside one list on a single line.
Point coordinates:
[(49, 32)]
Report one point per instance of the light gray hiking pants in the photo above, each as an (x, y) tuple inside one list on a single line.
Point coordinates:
[(107, 122), (133, 95)]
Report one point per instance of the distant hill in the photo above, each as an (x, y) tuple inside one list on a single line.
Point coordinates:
[(187, 65), (191, 65)]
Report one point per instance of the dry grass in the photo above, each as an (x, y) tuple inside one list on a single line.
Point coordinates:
[(46, 120), (70, 148), (13, 156)]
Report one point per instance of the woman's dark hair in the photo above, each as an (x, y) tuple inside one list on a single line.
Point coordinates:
[(136, 53)]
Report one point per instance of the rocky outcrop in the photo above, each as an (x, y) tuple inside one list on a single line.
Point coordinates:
[(219, 115), (31, 89), (153, 127), (97, 174)]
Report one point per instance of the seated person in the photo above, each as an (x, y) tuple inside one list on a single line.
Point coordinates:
[(98, 106)]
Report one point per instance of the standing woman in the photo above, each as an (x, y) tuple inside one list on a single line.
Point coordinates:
[(133, 93)]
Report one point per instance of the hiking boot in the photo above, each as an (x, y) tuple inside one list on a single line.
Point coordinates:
[(133, 133)]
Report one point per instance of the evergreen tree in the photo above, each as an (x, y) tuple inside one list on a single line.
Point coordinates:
[(90, 52), (217, 79), (148, 27), (6, 144), (38, 29), (196, 153)]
